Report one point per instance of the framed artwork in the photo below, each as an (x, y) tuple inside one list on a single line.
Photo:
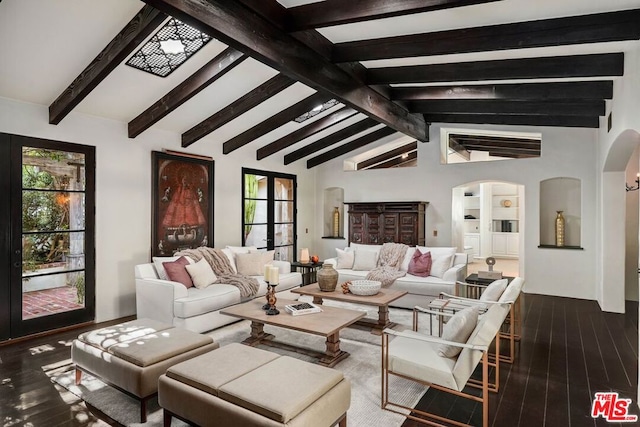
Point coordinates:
[(182, 203)]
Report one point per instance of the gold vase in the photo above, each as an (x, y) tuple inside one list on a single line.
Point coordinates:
[(336, 222), (559, 229)]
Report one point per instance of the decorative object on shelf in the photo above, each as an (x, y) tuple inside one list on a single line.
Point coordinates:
[(336, 222), (315, 259), (327, 278), (490, 274), (506, 203), (365, 287), (634, 187), (345, 287), (274, 280), (304, 256), (559, 228)]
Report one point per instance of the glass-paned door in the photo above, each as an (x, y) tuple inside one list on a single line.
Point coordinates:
[(52, 235), (269, 212)]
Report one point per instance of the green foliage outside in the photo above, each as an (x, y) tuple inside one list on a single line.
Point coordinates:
[(250, 193)]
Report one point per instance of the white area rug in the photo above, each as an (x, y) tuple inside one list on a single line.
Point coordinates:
[(362, 368)]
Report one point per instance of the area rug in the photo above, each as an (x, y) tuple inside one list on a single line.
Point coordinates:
[(362, 368)]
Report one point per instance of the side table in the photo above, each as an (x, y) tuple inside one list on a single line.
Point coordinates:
[(475, 291), (308, 270)]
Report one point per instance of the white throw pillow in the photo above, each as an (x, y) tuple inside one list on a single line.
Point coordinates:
[(345, 258), (157, 263), (440, 251), (512, 292), (493, 291), (439, 266), (360, 246), (407, 258), (201, 274), (365, 260), (232, 260), (252, 264), (458, 329)]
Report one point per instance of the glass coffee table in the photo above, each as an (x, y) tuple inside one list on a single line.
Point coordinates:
[(381, 300)]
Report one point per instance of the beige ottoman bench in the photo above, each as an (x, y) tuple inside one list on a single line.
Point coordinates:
[(238, 386), (131, 356)]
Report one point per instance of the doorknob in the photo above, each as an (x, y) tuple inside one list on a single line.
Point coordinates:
[(17, 264)]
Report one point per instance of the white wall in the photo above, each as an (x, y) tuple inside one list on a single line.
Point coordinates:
[(565, 152), (631, 230), (123, 192)]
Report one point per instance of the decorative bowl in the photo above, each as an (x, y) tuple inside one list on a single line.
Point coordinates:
[(365, 287)]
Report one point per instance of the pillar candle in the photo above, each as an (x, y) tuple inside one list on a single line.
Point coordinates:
[(267, 271), (274, 276)]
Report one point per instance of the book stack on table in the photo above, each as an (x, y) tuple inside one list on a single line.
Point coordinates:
[(302, 308)]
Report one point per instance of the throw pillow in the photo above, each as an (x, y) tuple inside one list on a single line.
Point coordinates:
[(420, 264), (512, 292), (252, 264), (201, 273), (407, 258), (440, 265), (157, 263), (177, 272), (458, 329), (345, 258), (493, 291), (227, 252), (365, 260), (359, 246)]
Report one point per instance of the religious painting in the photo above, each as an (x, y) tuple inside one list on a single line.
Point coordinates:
[(182, 210)]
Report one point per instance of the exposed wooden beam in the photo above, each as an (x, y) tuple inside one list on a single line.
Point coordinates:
[(305, 132), (487, 141), (399, 151), (552, 90), (236, 25), (190, 87), (506, 150), (397, 162), (350, 146), (125, 42), (329, 140), (596, 65), (592, 107), (460, 149), (594, 28), (336, 12), (238, 107), (274, 122), (516, 119)]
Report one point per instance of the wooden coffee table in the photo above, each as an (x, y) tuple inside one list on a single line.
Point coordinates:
[(328, 324), (381, 300)]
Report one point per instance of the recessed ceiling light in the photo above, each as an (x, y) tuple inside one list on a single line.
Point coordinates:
[(172, 47)]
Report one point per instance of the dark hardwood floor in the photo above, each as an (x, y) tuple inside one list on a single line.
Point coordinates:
[(569, 350)]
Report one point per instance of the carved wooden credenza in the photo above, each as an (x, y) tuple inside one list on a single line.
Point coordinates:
[(376, 223)]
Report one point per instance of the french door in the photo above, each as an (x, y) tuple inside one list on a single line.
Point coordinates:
[(269, 212), (46, 235)]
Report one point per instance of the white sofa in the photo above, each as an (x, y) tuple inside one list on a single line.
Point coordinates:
[(198, 309), (420, 290)]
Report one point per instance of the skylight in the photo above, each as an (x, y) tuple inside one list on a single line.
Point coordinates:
[(316, 110)]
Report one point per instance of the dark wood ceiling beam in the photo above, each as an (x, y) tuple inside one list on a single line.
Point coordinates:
[(190, 87), (552, 90), (512, 155), (594, 28), (397, 162), (350, 146), (337, 12), (516, 119), (500, 140), (595, 65), (590, 107), (391, 154), (460, 149), (234, 24), (274, 122), (125, 42), (509, 149), (305, 132), (238, 107), (329, 140), (497, 143)]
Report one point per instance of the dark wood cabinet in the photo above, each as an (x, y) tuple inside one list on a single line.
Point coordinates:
[(376, 223)]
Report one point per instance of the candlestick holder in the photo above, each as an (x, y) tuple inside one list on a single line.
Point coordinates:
[(271, 297), (267, 306)]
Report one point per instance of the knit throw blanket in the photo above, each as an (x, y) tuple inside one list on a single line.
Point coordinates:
[(389, 262), (219, 262)]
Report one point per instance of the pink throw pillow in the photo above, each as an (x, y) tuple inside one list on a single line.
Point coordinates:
[(420, 264), (177, 272)]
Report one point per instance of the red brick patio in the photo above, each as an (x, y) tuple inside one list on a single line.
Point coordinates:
[(49, 301)]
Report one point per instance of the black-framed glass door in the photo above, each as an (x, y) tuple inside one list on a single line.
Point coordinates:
[(269, 212), (49, 235)]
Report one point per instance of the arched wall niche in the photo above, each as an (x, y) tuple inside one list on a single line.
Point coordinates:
[(333, 197), (561, 194)]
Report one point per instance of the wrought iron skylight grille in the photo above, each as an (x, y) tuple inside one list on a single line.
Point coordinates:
[(319, 109), (169, 48)]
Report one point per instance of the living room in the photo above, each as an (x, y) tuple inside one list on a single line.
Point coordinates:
[(603, 270)]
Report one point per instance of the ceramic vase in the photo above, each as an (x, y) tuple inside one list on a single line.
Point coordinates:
[(327, 278), (336, 222), (559, 229)]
